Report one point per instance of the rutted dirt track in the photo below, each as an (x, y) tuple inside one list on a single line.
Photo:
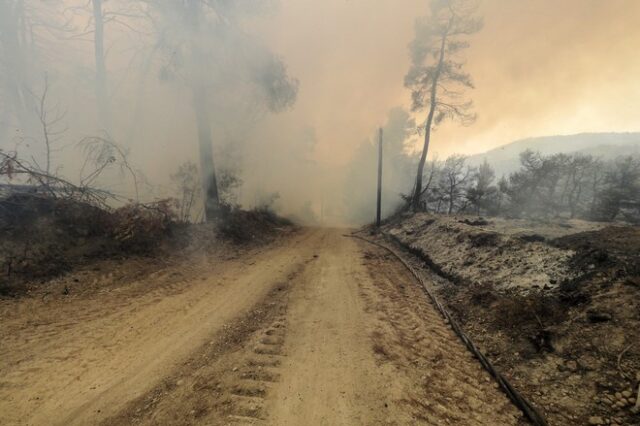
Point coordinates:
[(317, 329)]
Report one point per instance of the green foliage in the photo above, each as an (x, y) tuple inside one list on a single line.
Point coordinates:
[(437, 77)]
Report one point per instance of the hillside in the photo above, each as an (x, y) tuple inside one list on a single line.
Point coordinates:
[(505, 159)]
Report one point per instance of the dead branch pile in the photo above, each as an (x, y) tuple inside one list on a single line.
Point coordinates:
[(40, 183)]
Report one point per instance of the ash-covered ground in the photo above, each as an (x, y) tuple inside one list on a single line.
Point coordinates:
[(555, 305)]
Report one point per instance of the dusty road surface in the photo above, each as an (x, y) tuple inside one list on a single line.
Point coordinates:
[(315, 329)]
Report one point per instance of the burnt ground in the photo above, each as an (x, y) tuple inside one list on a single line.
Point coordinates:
[(571, 346), (42, 238)]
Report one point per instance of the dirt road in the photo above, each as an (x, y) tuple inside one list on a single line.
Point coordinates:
[(316, 329)]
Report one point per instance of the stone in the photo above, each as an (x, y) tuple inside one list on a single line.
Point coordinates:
[(596, 420), (627, 394)]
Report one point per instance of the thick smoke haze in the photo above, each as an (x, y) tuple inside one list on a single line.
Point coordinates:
[(540, 67)]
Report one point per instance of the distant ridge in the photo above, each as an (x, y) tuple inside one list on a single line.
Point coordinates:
[(506, 160)]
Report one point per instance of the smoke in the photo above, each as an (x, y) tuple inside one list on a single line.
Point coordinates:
[(295, 87), (398, 169)]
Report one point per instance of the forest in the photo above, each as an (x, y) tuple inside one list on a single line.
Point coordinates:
[(302, 212)]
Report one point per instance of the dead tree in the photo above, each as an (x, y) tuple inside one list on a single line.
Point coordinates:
[(104, 113), (12, 167), (101, 154), (50, 120), (454, 178), (482, 188), (436, 77)]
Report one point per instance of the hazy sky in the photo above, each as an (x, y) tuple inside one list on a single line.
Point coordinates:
[(541, 67)]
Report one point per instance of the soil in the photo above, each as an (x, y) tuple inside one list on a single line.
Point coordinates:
[(314, 328), (567, 333)]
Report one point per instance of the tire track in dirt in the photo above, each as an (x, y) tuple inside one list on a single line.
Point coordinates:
[(321, 331), (347, 339), (226, 381), (330, 376), (102, 351), (447, 385)]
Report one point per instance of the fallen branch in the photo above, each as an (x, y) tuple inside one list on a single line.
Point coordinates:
[(51, 185), (624, 351)]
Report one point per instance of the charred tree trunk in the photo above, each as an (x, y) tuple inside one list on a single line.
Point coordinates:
[(200, 105), (205, 143), (451, 200)]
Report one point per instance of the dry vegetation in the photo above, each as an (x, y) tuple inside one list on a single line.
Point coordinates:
[(42, 236)]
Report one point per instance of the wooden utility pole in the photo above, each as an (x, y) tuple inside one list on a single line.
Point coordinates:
[(379, 204)]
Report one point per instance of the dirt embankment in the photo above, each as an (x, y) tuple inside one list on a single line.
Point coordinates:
[(555, 306), (470, 250)]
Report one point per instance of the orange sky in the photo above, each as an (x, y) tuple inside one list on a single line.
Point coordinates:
[(541, 67)]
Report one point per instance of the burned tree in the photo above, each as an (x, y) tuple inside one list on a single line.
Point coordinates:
[(436, 77), (482, 190), (454, 178), (99, 16), (102, 97), (621, 191), (196, 36)]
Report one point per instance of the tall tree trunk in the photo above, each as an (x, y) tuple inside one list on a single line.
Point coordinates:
[(451, 201), (15, 64), (102, 97), (427, 128), (423, 158), (205, 143)]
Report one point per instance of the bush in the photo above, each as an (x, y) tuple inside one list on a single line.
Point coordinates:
[(242, 226), (140, 227)]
